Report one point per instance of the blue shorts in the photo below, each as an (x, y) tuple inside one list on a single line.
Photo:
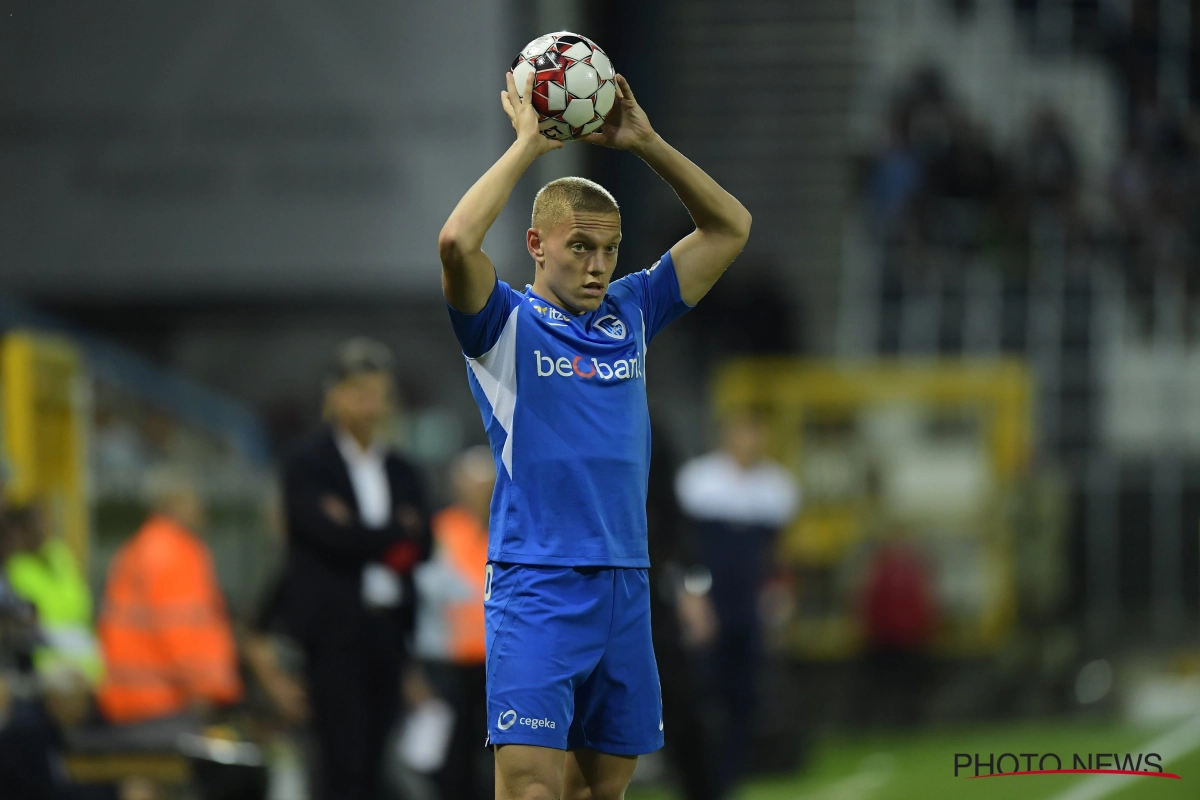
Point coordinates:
[(570, 663)]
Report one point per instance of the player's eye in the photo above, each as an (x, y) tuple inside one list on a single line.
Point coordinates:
[(612, 248), (579, 247)]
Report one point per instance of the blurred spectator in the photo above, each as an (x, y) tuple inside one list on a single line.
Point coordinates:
[(896, 178), (1052, 166), (967, 169), (261, 650), (919, 124), (682, 619), (1153, 191), (30, 766), (274, 659), (898, 617), (964, 187), (357, 525), (450, 628), (268, 643), (18, 629), (739, 500), (168, 646), (1131, 188), (939, 179), (42, 569), (30, 752)]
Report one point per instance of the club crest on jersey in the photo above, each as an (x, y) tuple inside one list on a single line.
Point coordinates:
[(610, 326)]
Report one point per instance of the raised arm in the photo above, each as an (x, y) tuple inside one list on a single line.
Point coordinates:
[(722, 223), (468, 276)]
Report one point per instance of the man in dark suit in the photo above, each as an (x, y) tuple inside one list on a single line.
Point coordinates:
[(357, 523)]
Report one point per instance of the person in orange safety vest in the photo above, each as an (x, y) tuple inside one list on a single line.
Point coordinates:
[(166, 638), (450, 623)]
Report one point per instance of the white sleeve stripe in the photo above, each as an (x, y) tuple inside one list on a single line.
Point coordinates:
[(645, 347), (496, 371)]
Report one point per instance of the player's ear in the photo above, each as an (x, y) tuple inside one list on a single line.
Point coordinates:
[(533, 242)]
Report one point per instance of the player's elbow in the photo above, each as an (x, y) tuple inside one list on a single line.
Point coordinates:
[(740, 227), (451, 245), (457, 241), (732, 226)]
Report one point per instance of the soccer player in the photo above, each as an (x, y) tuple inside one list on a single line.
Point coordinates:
[(559, 374)]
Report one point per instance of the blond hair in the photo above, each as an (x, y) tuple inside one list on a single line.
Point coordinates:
[(558, 198)]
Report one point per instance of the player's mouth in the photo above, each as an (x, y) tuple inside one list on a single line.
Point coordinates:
[(593, 289)]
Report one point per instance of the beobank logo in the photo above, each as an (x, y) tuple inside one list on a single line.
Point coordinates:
[(587, 368)]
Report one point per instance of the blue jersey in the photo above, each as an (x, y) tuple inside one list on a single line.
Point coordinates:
[(563, 399)]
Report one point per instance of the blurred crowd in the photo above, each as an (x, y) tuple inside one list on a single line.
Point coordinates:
[(361, 671), (942, 187), (941, 180)]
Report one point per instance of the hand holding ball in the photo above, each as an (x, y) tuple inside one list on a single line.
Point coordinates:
[(573, 88)]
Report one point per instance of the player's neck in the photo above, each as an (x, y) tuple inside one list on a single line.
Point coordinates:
[(547, 294)]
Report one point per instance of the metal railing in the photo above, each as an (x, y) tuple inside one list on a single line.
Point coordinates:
[(1135, 526)]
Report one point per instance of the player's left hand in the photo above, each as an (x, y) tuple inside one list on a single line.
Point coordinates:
[(626, 127)]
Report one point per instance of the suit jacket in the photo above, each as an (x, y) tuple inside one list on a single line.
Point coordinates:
[(325, 558)]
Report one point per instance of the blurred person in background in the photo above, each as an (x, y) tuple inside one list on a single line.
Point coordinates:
[(275, 671), (42, 569), (1052, 171), (898, 616), (31, 743), (357, 525), (65, 657), (682, 620), (276, 667), (450, 627), (269, 645), (168, 646), (738, 500)]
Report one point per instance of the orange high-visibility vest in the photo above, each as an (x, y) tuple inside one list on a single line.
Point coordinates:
[(462, 541), (163, 629)]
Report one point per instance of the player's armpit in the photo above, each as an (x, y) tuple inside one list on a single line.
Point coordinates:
[(702, 257)]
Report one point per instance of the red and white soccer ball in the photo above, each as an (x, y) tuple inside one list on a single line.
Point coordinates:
[(573, 88)]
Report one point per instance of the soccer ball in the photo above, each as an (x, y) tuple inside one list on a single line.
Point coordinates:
[(573, 87)]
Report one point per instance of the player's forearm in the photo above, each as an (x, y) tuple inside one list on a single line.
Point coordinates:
[(477, 211), (713, 209)]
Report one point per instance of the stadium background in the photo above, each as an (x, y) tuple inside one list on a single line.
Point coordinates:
[(968, 306)]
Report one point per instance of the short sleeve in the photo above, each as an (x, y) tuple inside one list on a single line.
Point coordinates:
[(478, 333), (656, 292)]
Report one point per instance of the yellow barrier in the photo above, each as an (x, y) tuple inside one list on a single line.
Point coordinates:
[(44, 402), (797, 397)]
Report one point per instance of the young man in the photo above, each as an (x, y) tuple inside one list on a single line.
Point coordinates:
[(558, 372)]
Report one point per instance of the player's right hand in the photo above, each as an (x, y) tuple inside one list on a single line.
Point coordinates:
[(524, 116)]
